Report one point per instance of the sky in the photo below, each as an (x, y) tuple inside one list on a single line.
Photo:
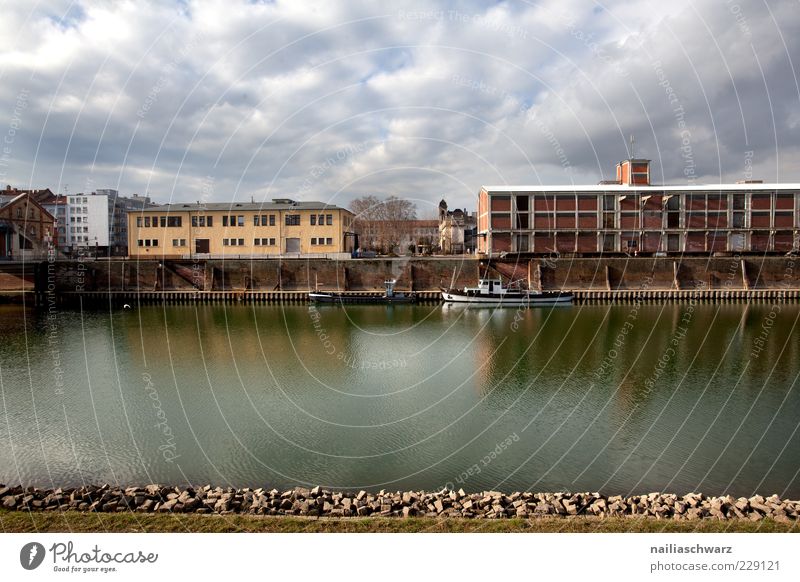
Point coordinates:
[(318, 100)]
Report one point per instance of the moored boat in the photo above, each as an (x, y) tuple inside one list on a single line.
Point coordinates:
[(390, 296), (492, 292)]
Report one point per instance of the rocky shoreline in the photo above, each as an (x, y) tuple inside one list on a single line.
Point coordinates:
[(318, 502)]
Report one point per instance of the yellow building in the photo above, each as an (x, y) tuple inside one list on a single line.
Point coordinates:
[(281, 227)]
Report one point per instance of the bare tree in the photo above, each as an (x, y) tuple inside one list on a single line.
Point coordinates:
[(382, 222)]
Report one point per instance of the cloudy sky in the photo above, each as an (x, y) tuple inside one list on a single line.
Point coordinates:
[(320, 100)]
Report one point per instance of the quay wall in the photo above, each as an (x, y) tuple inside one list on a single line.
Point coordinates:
[(613, 278)]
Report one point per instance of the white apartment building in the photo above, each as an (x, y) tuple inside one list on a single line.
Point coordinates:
[(86, 221)]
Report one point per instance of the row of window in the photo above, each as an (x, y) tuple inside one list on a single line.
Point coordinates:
[(232, 220), (233, 242), (163, 221)]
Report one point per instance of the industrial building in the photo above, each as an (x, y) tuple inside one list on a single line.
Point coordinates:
[(632, 216), (282, 227)]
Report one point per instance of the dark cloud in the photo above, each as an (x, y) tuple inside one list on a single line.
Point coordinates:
[(334, 100)]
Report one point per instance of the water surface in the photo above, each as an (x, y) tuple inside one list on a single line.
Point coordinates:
[(620, 399)]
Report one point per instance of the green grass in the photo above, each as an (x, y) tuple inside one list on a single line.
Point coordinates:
[(20, 521)]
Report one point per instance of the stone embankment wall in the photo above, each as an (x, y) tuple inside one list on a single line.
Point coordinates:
[(739, 276), (322, 502), (264, 275)]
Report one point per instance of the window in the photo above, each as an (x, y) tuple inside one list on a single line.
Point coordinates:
[(194, 221), (313, 240), (329, 220), (140, 242), (256, 220), (173, 221), (272, 242), (155, 242), (209, 221), (313, 221), (241, 242), (163, 222), (147, 222), (272, 220), (224, 241), (292, 220), (179, 242), (138, 222), (328, 241), (147, 242), (240, 220), (257, 242)]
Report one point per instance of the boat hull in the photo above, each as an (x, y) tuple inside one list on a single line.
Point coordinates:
[(508, 299), (353, 299)]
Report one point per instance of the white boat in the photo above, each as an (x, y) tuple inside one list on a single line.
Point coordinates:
[(493, 292)]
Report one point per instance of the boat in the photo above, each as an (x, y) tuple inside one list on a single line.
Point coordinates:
[(389, 297), (492, 292)]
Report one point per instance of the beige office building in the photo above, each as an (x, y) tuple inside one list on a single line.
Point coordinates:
[(282, 227)]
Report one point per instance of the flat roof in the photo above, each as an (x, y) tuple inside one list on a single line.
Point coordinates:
[(623, 188), (235, 206)]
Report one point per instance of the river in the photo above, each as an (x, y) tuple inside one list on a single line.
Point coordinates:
[(614, 398)]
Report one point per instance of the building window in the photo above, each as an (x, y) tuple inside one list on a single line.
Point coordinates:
[(140, 242), (272, 220), (179, 242), (147, 222), (209, 221), (163, 222), (241, 242), (313, 221), (313, 240), (321, 219), (328, 241), (174, 221), (257, 242), (256, 220), (224, 241), (155, 242), (292, 220), (138, 221), (194, 222), (329, 219)]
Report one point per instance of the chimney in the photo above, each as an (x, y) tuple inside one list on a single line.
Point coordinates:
[(634, 172)]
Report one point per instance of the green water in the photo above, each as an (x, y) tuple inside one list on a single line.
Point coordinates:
[(618, 399)]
